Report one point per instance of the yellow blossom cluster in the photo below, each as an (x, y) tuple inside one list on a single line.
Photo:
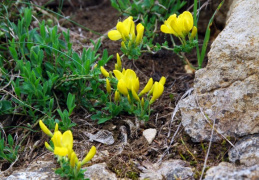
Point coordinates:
[(125, 30), (129, 82), (63, 146), (180, 26)]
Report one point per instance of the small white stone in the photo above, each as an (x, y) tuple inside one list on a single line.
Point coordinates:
[(150, 134)]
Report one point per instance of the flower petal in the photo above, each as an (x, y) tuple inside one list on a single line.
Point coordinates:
[(122, 87), (56, 139), (67, 139), (118, 74), (61, 151), (114, 35)]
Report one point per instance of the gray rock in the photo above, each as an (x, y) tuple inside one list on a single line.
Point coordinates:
[(227, 90), (99, 171), (227, 171), (102, 136), (149, 134), (170, 170), (246, 151), (37, 170)]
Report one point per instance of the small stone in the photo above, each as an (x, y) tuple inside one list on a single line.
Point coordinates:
[(226, 171), (150, 134), (171, 170), (99, 171), (246, 151), (102, 136)]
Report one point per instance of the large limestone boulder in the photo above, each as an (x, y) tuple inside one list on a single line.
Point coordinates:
[(227, 90)]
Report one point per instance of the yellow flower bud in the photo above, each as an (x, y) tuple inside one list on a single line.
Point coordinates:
[(134, 94), (108, 86), (48, 147), (56, 127), (140, 31), (116, 67), (89, 156), (194, 32), (119, 62), (117, 96), (73, 159), (45, 129), (162, 80), (142, 102), (157, 92), (147, 87), (104, 72)]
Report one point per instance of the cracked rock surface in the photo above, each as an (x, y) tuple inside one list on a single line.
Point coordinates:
[(227, 90)]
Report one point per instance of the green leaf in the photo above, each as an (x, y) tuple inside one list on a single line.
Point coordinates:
[(13, 53), (10, 140), (5, 107)]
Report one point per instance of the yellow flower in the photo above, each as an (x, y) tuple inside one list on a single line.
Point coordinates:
[(162, 80), (131, 79), (63, 143), (104, 72), (123, 30), (122, 87), (157, 92), (147, 87), (89, 156), (117, 96), (45, 129), (108, 86), (140, 30), (167, 28), (179, 26), (187, 21)]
